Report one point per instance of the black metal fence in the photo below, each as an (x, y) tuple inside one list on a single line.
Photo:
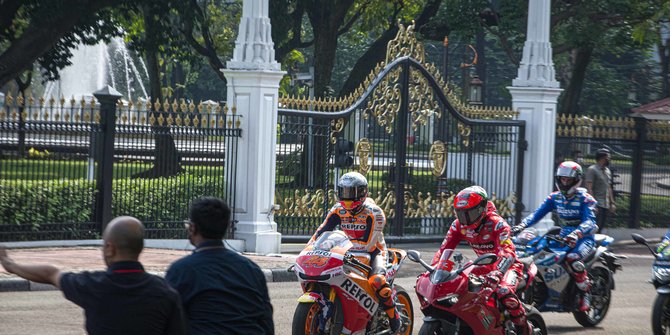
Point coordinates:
[(640, 163), (68, 167)]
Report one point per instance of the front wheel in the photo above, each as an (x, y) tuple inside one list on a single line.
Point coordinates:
[(535, 319), (660, 317), (432, 328), (601, 295), (307, 319), (405, 310)]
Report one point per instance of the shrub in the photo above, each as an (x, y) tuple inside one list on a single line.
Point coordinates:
[(37, 202)]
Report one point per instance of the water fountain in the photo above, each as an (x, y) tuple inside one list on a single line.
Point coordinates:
[(94, 66)]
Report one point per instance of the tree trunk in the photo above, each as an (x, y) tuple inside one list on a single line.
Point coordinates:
[(167, 159), (326, 17), (581, 58)]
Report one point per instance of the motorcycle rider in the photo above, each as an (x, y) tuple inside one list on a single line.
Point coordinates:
[(662, 248), (363, 222), (478, 223), (575, 209)]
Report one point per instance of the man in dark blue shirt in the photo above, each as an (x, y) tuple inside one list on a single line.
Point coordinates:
[(122, 300), (222, 291)]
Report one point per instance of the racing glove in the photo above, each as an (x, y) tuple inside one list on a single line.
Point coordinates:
[(662, 247), (572, 238), (493, 279), (518, 228)]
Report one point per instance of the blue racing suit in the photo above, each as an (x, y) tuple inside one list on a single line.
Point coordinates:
[(576, 216)]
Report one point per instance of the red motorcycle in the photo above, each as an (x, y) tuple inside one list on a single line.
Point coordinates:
[(337, 297), (456, 301)]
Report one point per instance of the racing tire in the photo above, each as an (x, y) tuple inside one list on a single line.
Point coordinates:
[(432, 328), (660, 315), (404, 307), (601, 296), (305, 320), (535, 318)]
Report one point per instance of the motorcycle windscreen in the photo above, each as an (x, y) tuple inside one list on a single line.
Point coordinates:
[(330, 239), (443, 268)]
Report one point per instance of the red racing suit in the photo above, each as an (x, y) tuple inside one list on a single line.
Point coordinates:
[(491, 236)]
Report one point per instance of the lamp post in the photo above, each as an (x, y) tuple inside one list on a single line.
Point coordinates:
[(475, 93), (445, 59)]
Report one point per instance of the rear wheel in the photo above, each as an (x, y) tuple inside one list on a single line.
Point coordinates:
[(660, 317), (306, 320), (601, 295), (405, 310)]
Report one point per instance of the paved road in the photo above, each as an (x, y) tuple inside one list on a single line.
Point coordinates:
[(50, 313)]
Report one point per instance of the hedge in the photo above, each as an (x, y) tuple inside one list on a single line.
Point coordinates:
[(37, 202)]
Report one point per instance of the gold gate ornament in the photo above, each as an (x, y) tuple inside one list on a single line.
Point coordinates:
[(438, 155), (365, 156)]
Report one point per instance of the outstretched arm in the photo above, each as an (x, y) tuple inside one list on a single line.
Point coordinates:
[(544, 209), (46, 274)]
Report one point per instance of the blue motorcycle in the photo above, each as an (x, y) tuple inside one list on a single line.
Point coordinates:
[(660, 314), (554, 289)]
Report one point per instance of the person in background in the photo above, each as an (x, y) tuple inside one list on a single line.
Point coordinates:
[(122, 300), (597, 181), (222, 291)]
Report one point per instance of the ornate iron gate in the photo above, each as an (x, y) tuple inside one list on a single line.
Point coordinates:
[(406, 135)]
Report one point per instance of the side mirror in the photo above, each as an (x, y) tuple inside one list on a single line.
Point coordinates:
[(554, 230), (639, 239), (485, 259), (414, 255), (458, 257)]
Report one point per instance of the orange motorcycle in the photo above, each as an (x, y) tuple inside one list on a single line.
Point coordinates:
[(337, 297)]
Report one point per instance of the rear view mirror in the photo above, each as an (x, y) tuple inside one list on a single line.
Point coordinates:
[(639, 239), (414, 255)]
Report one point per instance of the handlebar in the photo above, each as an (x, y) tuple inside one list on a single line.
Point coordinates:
[(350, 259)]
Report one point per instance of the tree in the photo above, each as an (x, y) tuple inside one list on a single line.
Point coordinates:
[(45, 31), (580, 30)]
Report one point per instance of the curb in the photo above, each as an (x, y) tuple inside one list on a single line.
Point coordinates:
[(24, 285)]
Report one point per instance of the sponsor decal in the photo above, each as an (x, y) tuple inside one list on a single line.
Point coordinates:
[(486, 237), (461, 203), (358, 293), (482, 245), (315, 261), (353, 226), (504, 236), (318, 252)]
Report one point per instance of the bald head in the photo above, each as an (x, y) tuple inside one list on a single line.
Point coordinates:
[(127, 234)]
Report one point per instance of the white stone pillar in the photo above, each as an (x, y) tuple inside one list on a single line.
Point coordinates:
[(535, 94), (253, 78)]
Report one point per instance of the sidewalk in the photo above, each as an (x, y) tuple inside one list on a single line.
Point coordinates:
[(76, 256)]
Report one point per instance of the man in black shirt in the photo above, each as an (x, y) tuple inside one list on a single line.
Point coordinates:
[(222, 291), (122, 300)]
